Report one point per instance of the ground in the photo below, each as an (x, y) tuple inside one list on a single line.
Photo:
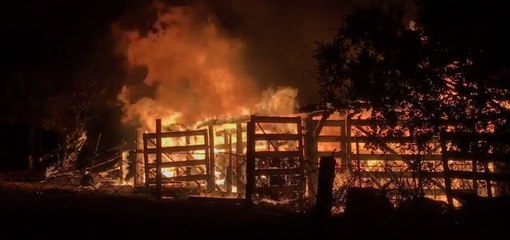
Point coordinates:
[(61, 215)]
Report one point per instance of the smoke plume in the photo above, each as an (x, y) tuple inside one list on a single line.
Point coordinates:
[(203, 59)]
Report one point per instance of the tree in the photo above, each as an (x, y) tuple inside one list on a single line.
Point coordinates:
[(434, 68), (444, 65)]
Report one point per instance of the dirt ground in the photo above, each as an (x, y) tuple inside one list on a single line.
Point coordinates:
[(71, 216)]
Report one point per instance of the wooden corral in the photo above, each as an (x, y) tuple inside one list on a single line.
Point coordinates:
[(277, 158)]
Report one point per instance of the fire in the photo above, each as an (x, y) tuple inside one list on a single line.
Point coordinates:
[(197, 73), (196, 70), (168, 172), (198, 77)]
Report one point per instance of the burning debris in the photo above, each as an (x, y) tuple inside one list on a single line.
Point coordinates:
[(274, 160), (66, 156)]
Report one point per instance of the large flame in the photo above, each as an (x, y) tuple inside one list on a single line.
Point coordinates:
[(197, 73)]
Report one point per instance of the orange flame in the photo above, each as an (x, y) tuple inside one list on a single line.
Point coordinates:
[(197, 73)]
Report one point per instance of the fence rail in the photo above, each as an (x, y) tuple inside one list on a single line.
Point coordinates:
[(278, 158)]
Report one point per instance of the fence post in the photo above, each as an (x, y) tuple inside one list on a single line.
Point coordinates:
[(446, 169), (311, 157), (250, 161), (325, 186), (211, 169), (146, 165), (158, 159), (239, 158)]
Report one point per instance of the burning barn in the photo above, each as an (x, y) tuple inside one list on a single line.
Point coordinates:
[(276, 159), (219, 134)]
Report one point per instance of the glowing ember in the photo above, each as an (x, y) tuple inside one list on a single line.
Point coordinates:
[(169, 172)]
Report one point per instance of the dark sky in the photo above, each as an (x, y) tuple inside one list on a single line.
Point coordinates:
[(75, 36), (281, 37)]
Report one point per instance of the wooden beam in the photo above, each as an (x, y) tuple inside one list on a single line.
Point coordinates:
[(335, 154), (240, 145), (176, 134), (320, 124), (237, 119), (267, 119), (344, 147), (446, 170), (186, 163), (274, 136), (302, 178), (250, 162), (158, 159), (146, 165), (177, 149), (311, 155), (200, 177), (211, 159), (225, 131), (487, 181), (276, 154), (325, 186), (331, 123), (475, 182), (348, 148), (329, 138), (385, 147), (228, 180), (190, 178), (139, 161)]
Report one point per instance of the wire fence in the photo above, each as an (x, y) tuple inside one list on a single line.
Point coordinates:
[(124, 172), (119, 176), (69, 182)]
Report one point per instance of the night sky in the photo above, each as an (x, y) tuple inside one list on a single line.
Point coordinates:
[(75, 38)]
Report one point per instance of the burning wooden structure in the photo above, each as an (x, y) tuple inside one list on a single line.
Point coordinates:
[(276, 158)]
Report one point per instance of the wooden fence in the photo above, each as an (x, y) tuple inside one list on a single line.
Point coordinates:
[(277, 157)]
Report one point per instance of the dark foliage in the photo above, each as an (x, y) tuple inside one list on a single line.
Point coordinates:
[(448, 64)]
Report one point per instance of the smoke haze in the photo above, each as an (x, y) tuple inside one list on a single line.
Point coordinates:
[(210, 58)]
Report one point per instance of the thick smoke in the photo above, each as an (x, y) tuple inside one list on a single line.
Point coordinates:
[(281, 36), (204, 59)]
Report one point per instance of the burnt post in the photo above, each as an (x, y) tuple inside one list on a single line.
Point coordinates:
[(311, 156), (325, 186), (250, 162), (228, 138), (211, 170), (488, 181), (239, 158), (158, 159), (146, 164), (139, 160), (446, 168)]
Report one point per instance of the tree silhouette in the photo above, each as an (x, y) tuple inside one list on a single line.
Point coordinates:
[(55, 56), (441, 68), (446, 64)]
